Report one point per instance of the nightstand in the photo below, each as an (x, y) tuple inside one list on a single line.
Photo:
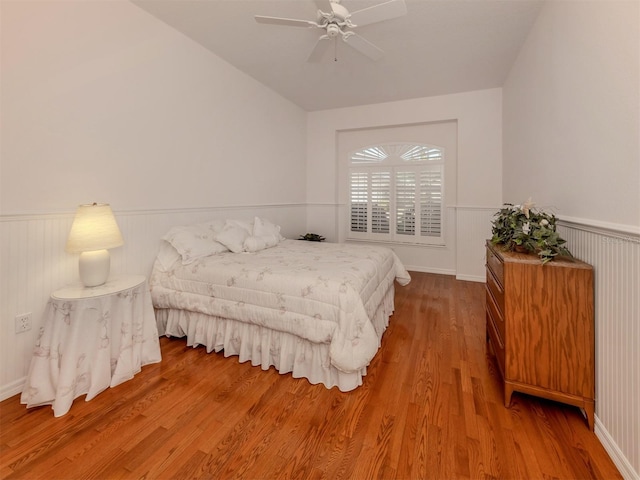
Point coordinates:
[(92, 338)]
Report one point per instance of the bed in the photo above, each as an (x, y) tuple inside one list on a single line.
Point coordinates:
[(315, 310)]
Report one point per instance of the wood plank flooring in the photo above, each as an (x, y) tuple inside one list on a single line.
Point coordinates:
[(430, 407)]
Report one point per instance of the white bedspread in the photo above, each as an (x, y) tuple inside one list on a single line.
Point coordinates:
[(322, 292)]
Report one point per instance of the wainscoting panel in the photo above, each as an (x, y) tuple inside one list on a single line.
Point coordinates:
[(615, 257), (33, 264)]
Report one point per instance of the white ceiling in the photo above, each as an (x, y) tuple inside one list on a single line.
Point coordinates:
[(440, 47)]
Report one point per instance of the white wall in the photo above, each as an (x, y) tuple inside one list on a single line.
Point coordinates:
[(571, 101), (479, 164), (102, 102), (571, 141)]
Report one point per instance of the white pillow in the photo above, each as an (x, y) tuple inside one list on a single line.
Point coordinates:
[(263, 227), (193, 242), (246, 225), (215, 226), (255, 244), (232, 236), (167, 255)]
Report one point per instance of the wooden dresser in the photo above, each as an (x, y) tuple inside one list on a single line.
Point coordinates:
[(540, 325)]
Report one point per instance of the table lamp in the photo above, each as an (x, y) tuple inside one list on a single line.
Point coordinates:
[(94, 230)]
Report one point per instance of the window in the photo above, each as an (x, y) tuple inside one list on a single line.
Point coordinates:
[(396, 193)]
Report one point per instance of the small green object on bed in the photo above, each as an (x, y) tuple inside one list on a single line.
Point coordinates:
[(312, 237)]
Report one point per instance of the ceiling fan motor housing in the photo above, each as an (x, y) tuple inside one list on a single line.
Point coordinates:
[(333, 30)]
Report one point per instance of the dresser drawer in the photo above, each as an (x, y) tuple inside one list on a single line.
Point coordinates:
[(496, 290), (496, 314), (496, 342), (495, 265)]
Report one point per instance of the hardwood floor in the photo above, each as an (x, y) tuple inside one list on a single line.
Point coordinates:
[(430, 407)]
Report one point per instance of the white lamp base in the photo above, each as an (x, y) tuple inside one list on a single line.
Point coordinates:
[(94, 267)]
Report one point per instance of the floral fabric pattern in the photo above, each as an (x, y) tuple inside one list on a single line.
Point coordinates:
[(90, 344)]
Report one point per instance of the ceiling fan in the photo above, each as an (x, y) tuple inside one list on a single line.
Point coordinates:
[(337, 21)]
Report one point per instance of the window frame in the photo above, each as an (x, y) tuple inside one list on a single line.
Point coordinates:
[(394, 164)]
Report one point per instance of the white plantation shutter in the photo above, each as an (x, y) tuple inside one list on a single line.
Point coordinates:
[(405, 203), (397, 184), (369, 155), (431, 201), (359, 201), (380, 201)]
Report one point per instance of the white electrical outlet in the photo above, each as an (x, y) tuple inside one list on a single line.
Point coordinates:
[(23, 322)]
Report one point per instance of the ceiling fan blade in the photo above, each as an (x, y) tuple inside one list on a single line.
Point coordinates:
[(323, 5), (289, 22), (364, 46), (378, 13), (322, 45)]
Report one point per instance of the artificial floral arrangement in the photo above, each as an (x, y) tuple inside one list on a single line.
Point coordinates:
[(524, 228)]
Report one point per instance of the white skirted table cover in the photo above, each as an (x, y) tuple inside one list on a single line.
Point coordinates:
[(91, 339)]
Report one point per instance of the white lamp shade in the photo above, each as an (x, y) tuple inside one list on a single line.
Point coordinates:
[(94, 228)]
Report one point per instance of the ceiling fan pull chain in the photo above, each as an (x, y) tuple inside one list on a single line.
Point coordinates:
[(335, 49)]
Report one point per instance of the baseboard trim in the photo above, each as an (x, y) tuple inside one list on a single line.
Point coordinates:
[(439, 271), (11, 389), (625, 468), (471, 278)]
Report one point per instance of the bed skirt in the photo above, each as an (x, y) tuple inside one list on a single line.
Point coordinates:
[(262, 346)]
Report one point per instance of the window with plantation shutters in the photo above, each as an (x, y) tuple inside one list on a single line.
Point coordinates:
[(396, 193)]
